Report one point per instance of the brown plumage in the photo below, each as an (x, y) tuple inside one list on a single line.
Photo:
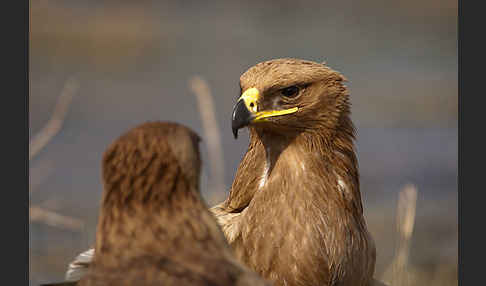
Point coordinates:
[(294, 213), (153, 227)]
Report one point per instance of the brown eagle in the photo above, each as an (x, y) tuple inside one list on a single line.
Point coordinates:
[(294, 213), (153, 227)]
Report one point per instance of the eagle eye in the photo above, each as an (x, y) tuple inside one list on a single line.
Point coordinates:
[(290, 91)]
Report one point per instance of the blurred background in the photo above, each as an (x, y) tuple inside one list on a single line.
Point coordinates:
[(120, 63)]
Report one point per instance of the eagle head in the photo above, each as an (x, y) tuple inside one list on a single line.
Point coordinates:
[(148, 159), (285, 95)]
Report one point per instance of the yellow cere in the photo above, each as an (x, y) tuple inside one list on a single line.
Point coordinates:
[(250, 97)]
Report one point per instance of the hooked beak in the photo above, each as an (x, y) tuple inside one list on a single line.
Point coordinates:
[(246, 111), (241, 117)]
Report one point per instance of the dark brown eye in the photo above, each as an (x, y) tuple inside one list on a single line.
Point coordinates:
[(290, 91)]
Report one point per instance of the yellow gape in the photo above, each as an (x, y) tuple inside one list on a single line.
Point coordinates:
[(251, 96)]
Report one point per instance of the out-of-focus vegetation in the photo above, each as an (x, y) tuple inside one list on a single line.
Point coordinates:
[(132, 61)]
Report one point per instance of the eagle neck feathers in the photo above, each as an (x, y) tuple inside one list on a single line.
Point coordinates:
[(310, 194)]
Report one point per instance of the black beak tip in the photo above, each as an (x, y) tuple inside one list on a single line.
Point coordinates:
[(241, 117)]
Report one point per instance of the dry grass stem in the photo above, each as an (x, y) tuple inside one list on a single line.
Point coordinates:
[(398, 273), (211, 132), (54, 124), (56, 220), (42, 171)]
